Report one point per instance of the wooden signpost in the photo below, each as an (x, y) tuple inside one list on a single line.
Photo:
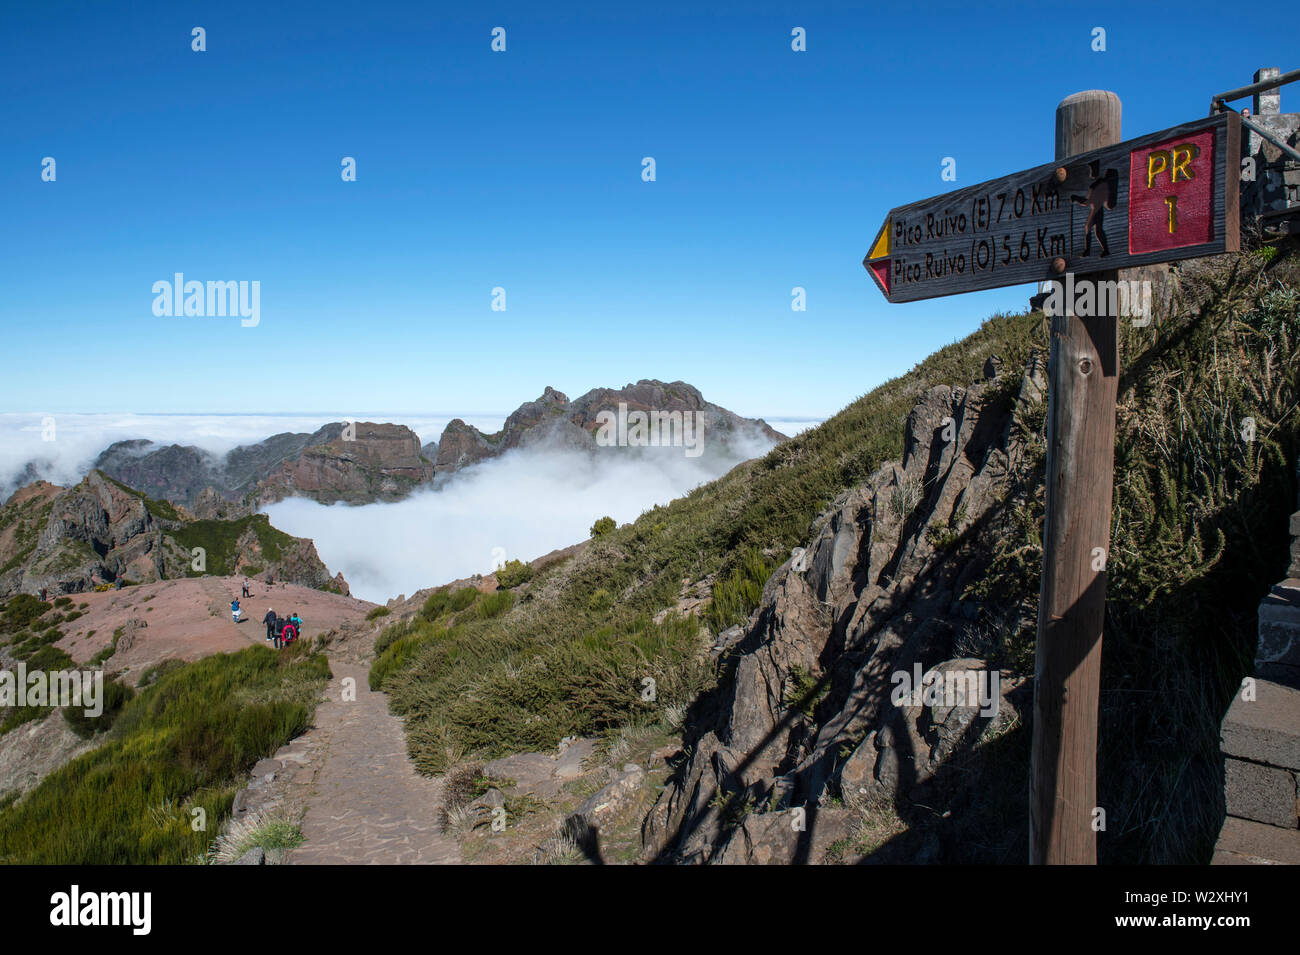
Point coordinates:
[(1102, 206), (1170, 195)]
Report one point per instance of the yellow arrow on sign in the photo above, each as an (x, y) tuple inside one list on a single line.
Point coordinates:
[(877, 260)]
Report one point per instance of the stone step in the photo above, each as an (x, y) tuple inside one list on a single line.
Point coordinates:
[(1242, 842), (1261, 793), (1266, 729)]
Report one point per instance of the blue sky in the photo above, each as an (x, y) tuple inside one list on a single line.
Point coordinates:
[(522, 170)]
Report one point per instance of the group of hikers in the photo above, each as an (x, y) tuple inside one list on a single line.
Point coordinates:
[(282, 631)]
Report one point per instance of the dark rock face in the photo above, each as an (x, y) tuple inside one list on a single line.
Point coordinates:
[(877, 594), (553, 421), (361, 462), (357, 463), (247, 465), (170, 473), (364, 462), (74, 539)]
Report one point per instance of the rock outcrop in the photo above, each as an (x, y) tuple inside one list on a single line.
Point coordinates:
[(361, 462), (365, 462), (69, 540), (806, 718), (356, 462), (555, 422)]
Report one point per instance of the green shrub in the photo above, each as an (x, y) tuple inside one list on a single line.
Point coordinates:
[(390, 634), (494, 605), (435, 605), (377, 612), (527, 693), (116, 696), (442, 602), (603, 526), (736, 595), (462, 599), (22, 610), (395, 655), (514, 573), (49, 657), (600, 601), (219, 539)]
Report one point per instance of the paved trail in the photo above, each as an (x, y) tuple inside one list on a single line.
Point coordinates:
[(366, 803)]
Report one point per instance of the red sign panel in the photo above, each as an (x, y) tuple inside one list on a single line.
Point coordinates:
[(1171, 194)]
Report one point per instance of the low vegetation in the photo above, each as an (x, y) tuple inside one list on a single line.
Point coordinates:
[(256, 831), (219, 539), (176, 753), (580, 651), (1205, 459), (513, 573)]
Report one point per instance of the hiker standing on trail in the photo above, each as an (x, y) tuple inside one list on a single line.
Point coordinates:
[(269, 620), (297, 623), (246, 593), (234, 610)]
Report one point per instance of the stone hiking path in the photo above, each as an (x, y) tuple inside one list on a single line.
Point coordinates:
[(365, 803)]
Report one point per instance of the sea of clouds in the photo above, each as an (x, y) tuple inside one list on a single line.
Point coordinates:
[(519, 506), (64, 446)]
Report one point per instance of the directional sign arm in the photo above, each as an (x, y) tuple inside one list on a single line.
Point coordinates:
[(1169, 195)]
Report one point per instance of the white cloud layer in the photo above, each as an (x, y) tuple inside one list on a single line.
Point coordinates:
[(516, 507), (79, 438), (519, 506)]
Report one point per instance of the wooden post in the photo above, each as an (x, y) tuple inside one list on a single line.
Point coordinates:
[(1083, 371)]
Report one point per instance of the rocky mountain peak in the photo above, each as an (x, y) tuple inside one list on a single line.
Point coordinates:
[(881, 588)]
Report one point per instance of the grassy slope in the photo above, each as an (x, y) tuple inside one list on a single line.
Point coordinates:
[(183, 743), (573, 656), (1200, 533)]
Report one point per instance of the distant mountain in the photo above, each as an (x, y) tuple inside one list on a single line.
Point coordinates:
[(648, 414), (68, 540), (362, 462), (357, 463)]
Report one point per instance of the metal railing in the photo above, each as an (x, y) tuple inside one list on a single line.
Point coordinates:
[(1219, 104)]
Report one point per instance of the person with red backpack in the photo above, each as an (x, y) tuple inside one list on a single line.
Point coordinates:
[(288, 633)]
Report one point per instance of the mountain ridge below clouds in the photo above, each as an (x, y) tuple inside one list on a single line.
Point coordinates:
[(365, 462)]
